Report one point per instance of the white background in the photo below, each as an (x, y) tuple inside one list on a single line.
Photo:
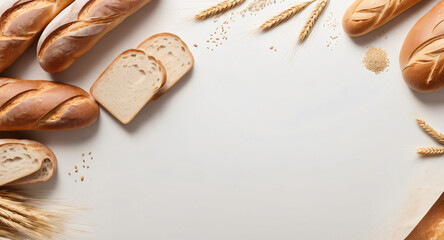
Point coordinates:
[(301, 143)]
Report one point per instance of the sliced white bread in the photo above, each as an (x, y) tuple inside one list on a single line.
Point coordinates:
[(174, 55), (25, 161), (128, 84)]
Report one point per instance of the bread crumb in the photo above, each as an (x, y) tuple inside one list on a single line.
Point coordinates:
[(82, 178), (77, 170), (83, 154), (89, 153), (69, 174), (271, 48), (83, 166), (83, 160), (87, 167), (195, 45), (376, 60)]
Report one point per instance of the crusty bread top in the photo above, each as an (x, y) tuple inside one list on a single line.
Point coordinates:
[(78, 27), (364, 16), (44, 105), (431, 227), (421, 58), (174, 54)]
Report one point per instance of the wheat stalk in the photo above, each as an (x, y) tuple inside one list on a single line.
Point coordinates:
[(430, 131), (430, 151), (284, 16), (219, 8), (20, 219), (312, 19)]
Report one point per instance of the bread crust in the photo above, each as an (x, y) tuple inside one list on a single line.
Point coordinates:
[(431, 226), (38, 147), (421, 58), (364, 16), (20, 23), (164, 90), (44, 105), (78, 28), (162, 69)]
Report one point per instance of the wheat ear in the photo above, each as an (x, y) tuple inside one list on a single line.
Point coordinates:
[(284, 16), (430, 151), (312, 19), (219, 8), (430, 131)]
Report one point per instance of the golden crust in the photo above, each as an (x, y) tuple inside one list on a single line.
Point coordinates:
[(421, 58), (21, 24), (364, 16), (44, 105)]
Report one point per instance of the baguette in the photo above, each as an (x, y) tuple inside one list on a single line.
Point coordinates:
[(78, 28), (20, 23), (431, 227), (25, 162), (44, 105), (421, 58), (364, 16)]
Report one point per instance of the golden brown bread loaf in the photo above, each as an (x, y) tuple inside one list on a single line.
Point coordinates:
[(20, 23), (431, 226), (421, 57), (78, 28), (44, 105), (364, 16)]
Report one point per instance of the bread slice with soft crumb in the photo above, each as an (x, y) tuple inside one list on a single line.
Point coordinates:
[(128, 84), (174, 55), (25, 161)]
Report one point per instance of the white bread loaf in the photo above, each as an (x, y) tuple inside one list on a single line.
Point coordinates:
[(364, 16), (78, 28), (128, 84), (25, 161), (174, 55), (20, 23)]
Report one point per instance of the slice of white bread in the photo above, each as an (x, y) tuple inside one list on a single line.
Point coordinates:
[(174, 55), (128, 84), (25, 161)]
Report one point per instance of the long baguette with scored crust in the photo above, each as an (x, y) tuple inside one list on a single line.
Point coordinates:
[(364, 16), (20, 23), (78, 28), (422, 54), (44, 105), (25, 162)]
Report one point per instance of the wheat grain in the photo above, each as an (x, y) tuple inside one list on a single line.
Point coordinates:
[(430, 151), (219, 8), (312, 19), (21, 219), (284, 16), (430, 131)]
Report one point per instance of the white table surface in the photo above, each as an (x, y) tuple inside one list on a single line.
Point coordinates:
[(301, 143)]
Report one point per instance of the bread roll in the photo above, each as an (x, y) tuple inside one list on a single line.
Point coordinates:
[(20, 23), (78, 28), (364, 16), (421, 58), (25, 162), (44, 105)]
